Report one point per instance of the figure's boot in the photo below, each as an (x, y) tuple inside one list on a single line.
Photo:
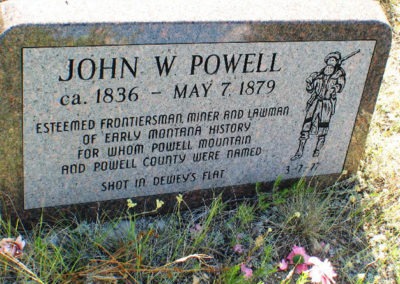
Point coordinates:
[(320, 144), (299, 153)]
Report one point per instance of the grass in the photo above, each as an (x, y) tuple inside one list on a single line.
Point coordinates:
[(194, 244), (380, 179), (355, 224)]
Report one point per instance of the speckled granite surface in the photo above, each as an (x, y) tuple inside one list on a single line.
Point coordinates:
[(96, 23)]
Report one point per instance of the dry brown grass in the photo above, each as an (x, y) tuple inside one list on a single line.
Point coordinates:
[(381, 168)]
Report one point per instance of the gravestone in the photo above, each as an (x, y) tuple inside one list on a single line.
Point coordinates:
[(105, 100)]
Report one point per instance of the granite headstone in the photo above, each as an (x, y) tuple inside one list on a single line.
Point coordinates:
[(105, 100)]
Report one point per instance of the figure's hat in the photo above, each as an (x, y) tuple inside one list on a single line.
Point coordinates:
[(335, 55)]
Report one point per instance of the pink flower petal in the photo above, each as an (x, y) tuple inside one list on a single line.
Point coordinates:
[(248, 272), (238, 248), (298, 251), (321, 272), (283, 265), (300, 268), (12, 247)]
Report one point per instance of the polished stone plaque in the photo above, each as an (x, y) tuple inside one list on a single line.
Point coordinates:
[(111, 122)]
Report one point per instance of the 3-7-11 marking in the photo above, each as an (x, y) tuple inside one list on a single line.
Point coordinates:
[(301, 168)]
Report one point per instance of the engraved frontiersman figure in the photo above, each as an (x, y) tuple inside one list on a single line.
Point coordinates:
[(323, 87)]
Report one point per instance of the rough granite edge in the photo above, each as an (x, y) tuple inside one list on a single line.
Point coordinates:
[(4, 31), (356, 151), (76, 12)]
